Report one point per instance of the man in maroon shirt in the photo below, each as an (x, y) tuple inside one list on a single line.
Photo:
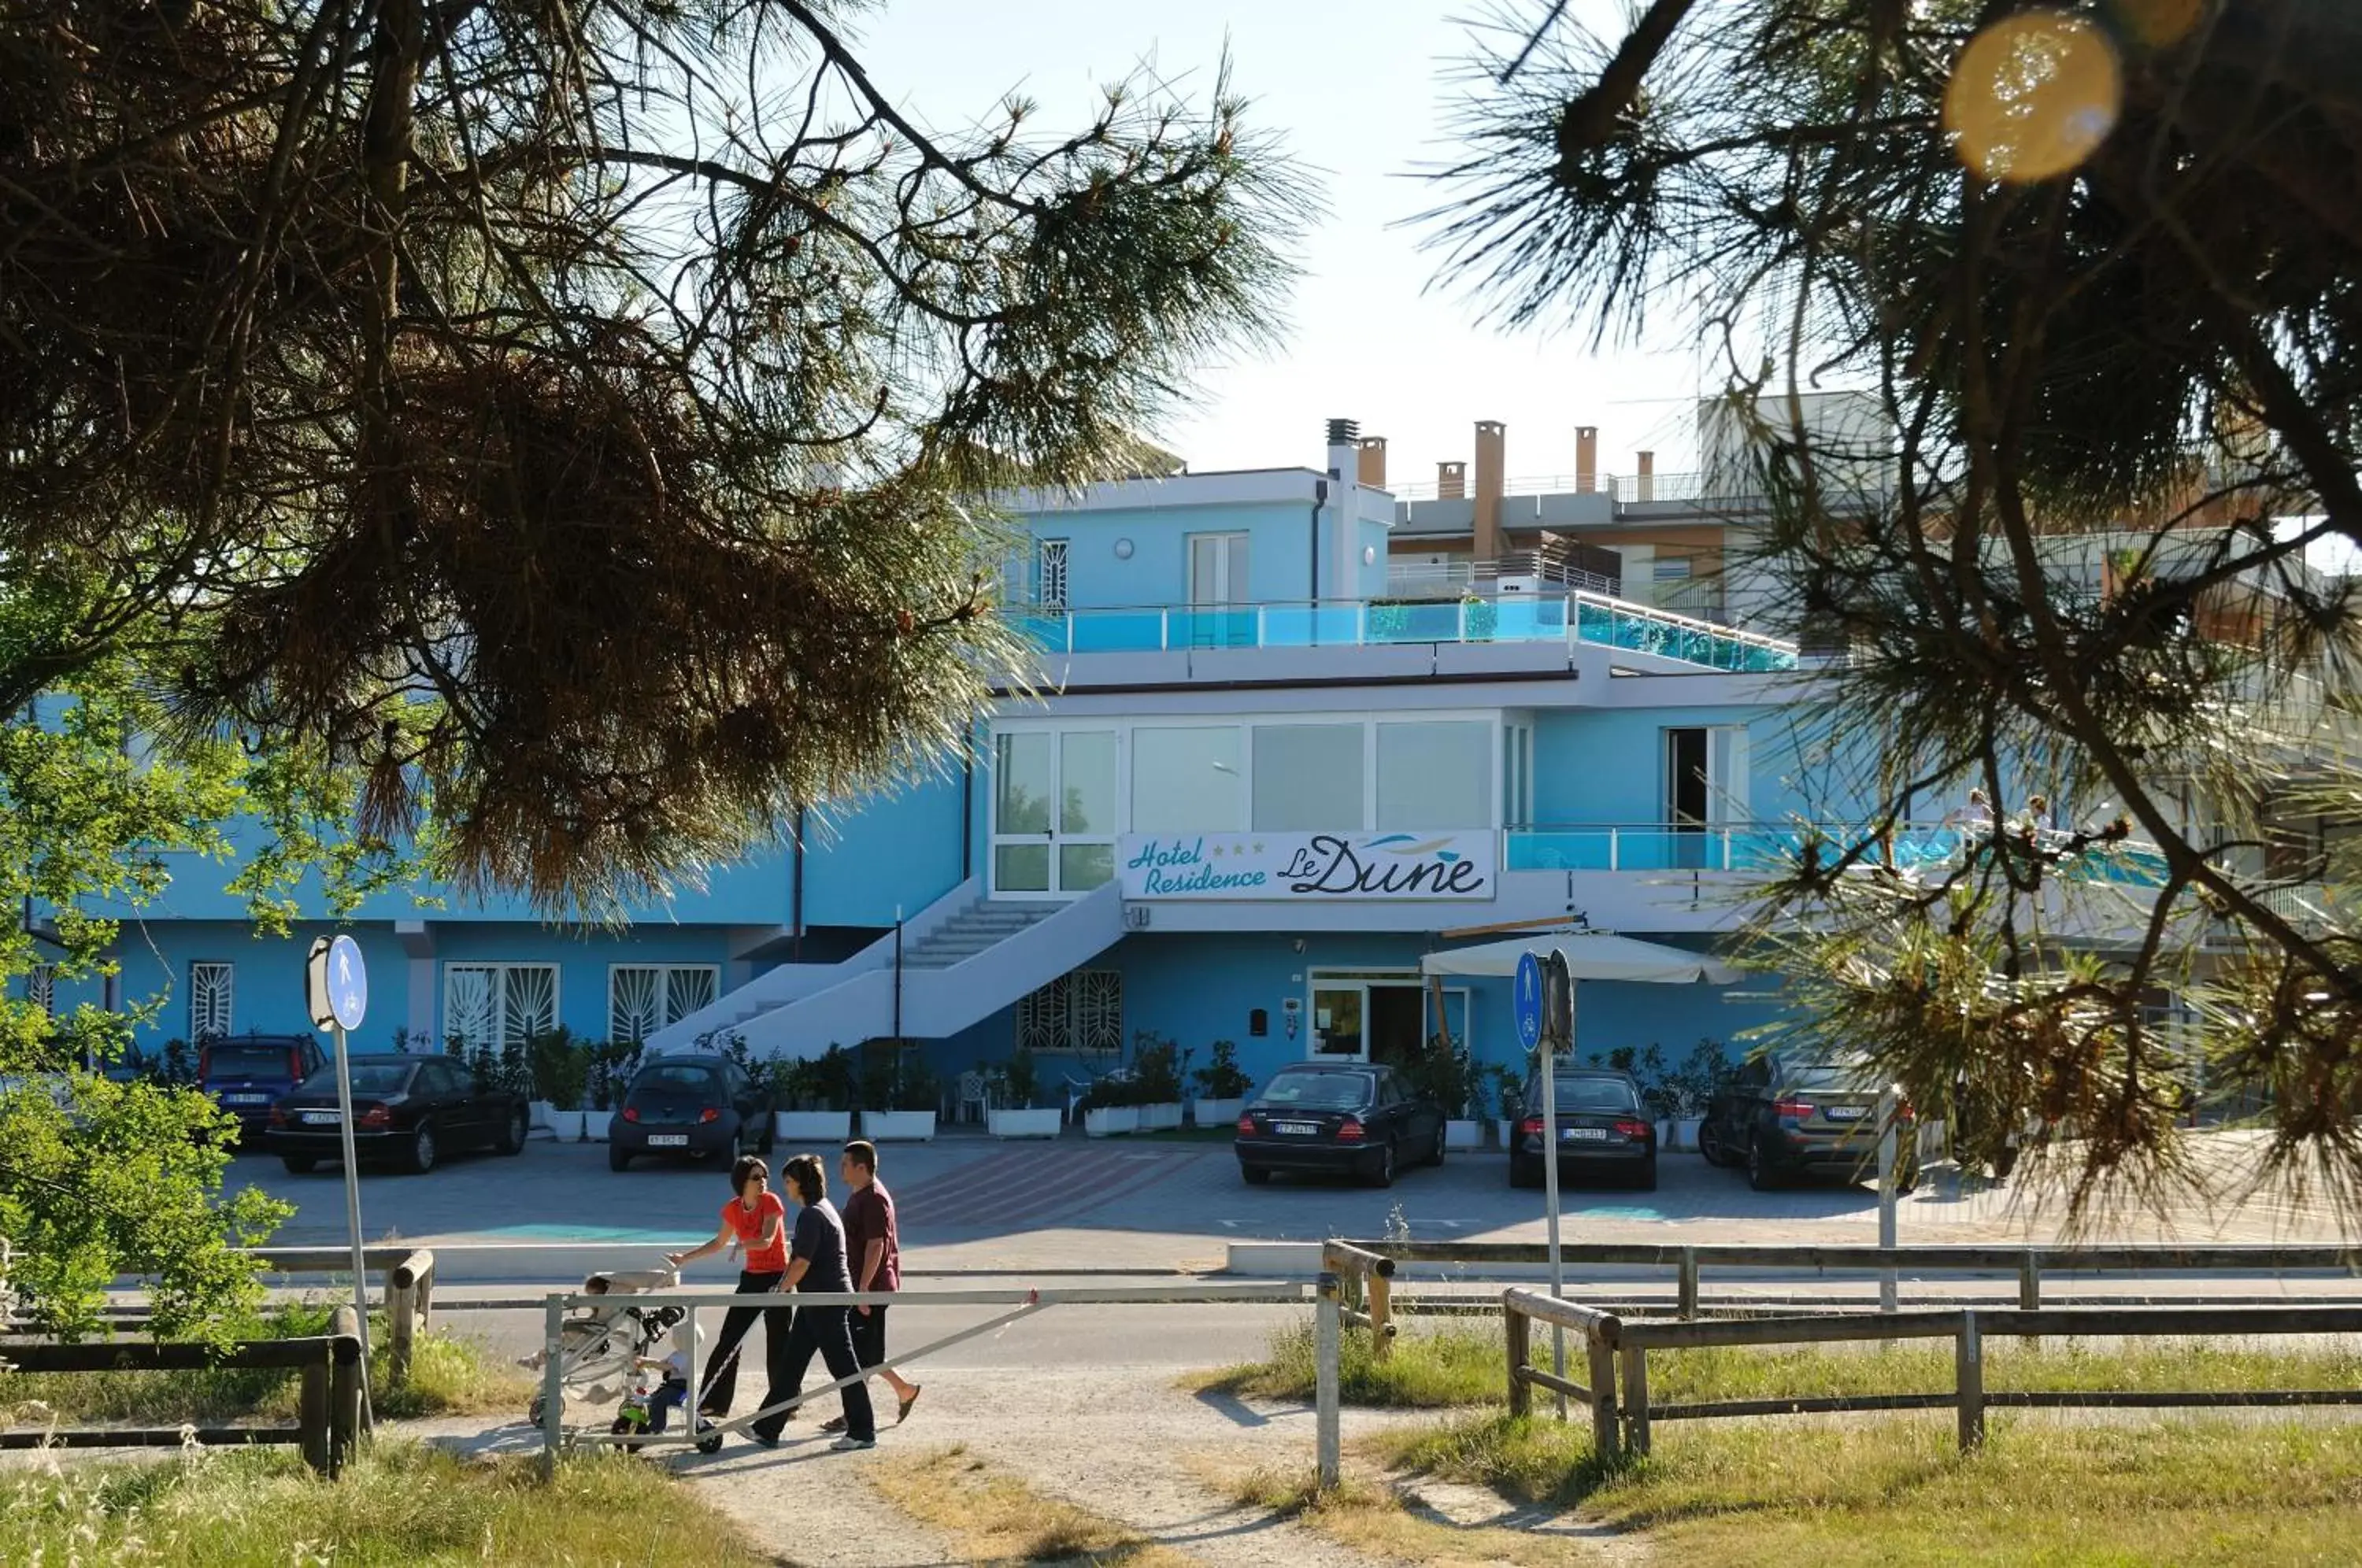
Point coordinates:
[(875, 1252)]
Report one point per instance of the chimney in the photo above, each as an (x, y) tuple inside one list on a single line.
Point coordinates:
[(1485, 542), (1344, 435), (1645, 487), (1450, 480), (1586, 458), (1373, 462)]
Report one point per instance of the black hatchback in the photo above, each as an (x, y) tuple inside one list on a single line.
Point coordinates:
[(245, 1074), (1602, 1130), (690, 1108), (1339, 1119)]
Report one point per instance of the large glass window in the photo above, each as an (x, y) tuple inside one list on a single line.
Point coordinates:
[(499, 1004), (1189, 780), (645, 997), (1435, 775), (1307, 778)]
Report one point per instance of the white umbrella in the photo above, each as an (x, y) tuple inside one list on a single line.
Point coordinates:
[(1589, 957)]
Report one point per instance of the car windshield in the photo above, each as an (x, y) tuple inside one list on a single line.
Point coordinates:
[(1842, 1077), (685, 1079), (369, 1078), (1317, 1091), (1591, 1093), (246, 1062)]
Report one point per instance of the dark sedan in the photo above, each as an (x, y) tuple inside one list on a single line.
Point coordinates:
[(1784, 1116), (407, 1110), (1338, 1119), (690, 1108), (1602, 1130)]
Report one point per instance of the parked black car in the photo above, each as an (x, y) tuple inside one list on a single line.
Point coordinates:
[(246, 1074), (409, 1110), (1343, 1118), (1787, 1116), (1602, 1129), (690, 1108)]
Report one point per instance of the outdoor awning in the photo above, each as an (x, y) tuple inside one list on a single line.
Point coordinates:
[(1588, 958)]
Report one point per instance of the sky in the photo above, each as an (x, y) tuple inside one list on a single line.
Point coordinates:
[(1360, 93)]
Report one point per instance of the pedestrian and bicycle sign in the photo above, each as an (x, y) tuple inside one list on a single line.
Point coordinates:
[(1526, 999), (336, 983)]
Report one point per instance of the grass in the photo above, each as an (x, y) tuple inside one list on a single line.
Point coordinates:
[(400, 1504), (1895, 1490), (1444, 1363), (1378, 1519), (448, 1377), (995, 1517)]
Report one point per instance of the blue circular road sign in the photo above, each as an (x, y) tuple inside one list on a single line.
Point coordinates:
[(1526, 996), (348, 983)]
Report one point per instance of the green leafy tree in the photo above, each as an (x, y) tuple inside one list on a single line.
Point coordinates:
[(2097, 268)]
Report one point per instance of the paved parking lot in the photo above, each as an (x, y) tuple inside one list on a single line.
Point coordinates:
[(972, 1202)]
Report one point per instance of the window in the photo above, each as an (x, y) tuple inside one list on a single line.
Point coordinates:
[(1080, 1011), (1518, 776), (41, 988), (1217, 569), (1435, 775), (499, 1004), (1308, 778), (1189, 780), (645, 997), (209, 1000), (1050, 574)]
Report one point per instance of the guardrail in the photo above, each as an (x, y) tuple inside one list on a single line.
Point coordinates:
[(329, 1408)]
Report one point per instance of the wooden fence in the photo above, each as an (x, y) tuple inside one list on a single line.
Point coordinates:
[(328, 1408)]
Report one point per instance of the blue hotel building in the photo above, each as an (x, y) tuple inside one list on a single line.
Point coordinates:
[(1291, 729)]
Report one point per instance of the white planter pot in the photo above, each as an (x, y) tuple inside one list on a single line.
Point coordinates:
[(1506, 1129), (1162, 1117), (566, 1126), (898, 1126), (1106, 1120), (815, 1126), (1685, 1129), (539, 1110), (1217, 1112), (1463, 1134), (597, 1123), (1042, 1123)]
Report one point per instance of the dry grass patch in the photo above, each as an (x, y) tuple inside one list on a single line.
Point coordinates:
[(996, 1519), (1373, 1517)]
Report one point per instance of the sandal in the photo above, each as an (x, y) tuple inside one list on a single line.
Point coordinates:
[(834, 1424), (904, 1413)]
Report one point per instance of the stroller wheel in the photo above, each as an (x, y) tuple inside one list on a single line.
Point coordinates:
[(533, 1411), (708, 1444)]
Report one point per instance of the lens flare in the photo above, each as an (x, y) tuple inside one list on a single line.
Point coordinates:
[(2032, 96)]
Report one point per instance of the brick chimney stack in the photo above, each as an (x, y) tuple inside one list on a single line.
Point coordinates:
[(1586, 458), (1450, 480), (1373, 462), (1491, 453)]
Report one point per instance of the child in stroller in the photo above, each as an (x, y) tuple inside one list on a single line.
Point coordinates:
[(649, 1408), (606, 1352)]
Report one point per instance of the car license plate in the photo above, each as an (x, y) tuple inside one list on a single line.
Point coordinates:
[(246, 1099), (1845, 1112), (1295, 1129), (668, 1139), (322, 1117), (1582, 1134)]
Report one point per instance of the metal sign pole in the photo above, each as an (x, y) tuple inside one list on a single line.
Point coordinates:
[(1887, 1105), (352, 1185), (1558, 1028)]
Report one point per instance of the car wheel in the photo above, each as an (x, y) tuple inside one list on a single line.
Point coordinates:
[(618, 1158), (1436, 1158), (1759, 1173), (1906, 1177), (1256, 1175), (1648, 1182), (764, 1142), (299, 1165), (1710, 1145), (2004, 1161), (1383, 1175), (1525, 1173), (512, 1133), (423, 1151)]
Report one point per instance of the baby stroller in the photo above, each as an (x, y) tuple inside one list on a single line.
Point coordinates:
[(609, 1354)]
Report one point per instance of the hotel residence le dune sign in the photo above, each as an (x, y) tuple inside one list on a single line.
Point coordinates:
[(1307, 867)]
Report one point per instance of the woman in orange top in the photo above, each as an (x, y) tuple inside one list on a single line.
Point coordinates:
[(756, 1220)]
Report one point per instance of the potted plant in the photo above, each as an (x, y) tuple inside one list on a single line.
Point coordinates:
[(1111, 1107), (1020, 1118), (1691, 1088), (1221, 1086), (811, 1097), (612, 1065), (1157, 1082), (903, 1093), (561, 1071), (1462, 1083), (1510, 1094)]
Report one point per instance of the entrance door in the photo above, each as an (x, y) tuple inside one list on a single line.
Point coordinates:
[(1336, 1021), (1218, 592), (1053, 807), (1377, 1015)]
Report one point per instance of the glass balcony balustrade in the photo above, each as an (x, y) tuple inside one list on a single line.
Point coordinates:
[(1760, 847), (1538, 618)]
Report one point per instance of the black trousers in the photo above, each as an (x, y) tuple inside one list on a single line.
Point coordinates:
[(721, 1364), (868, 1336), (822, 1329)]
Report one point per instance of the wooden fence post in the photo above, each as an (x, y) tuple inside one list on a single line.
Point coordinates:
[(400, 1316), (1635, 1397), (347, 1377), (312, 1409), (1517, 1329), (1687, 1305), (1325, 1334), (1382, 1317), (1603, 1394), (1970, 1360), (2029, 1282)]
